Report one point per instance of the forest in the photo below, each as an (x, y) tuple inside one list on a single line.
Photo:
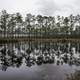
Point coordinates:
[(14, 25)]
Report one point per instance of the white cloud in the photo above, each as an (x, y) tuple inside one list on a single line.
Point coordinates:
[(23, 6), (67, 7), (45, 7)]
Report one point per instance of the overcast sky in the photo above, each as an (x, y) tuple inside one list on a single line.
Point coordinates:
[(44, 7)]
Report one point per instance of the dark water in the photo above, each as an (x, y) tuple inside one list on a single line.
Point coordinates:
[(39, 61)]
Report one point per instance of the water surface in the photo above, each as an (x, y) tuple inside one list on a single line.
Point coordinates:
[(38, 61)]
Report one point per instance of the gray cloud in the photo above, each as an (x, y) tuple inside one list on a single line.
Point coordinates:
[(47, 7), (58, 7)]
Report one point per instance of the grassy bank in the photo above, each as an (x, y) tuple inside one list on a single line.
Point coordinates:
[(4, 40)]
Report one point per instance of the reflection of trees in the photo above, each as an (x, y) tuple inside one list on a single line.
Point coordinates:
[(74, 76), (58, 53)]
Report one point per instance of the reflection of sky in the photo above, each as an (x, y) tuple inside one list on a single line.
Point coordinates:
[(46, 72), (45, 7)]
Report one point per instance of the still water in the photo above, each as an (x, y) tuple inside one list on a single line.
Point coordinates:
[(39, 61)]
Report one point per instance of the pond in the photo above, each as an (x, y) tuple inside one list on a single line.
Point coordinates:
[(39, 60)]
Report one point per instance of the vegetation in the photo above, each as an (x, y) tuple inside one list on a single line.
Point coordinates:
[(48, 26), (74, 76)]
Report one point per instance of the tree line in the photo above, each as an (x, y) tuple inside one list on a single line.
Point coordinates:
[(14, 24)]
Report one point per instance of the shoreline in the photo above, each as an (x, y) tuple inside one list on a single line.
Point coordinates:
[(6, 40)]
